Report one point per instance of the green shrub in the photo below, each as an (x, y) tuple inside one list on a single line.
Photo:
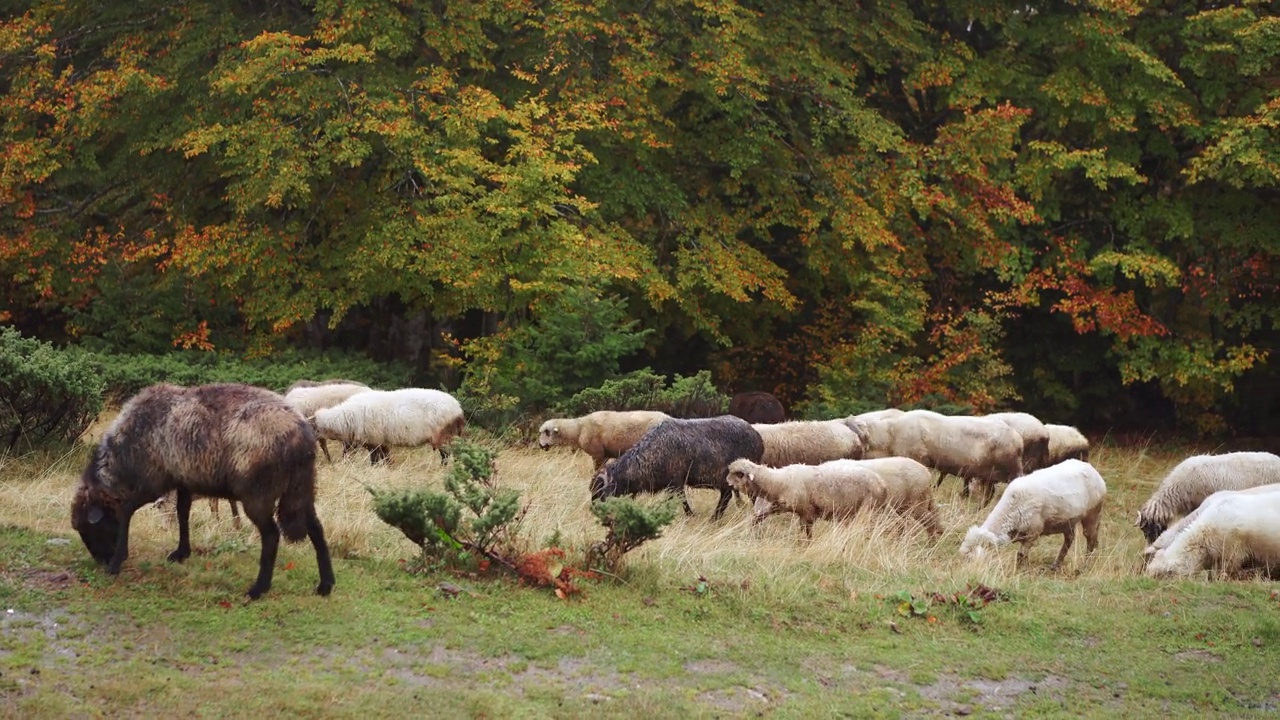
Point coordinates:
[(629, 525), (572, 343), (687, 397), (46, 394), (125, 375)]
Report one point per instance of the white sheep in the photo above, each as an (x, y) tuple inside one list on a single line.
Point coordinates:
[(307, 398), (982, 449), (1230, 531), (1066, 442), (378, 419), (1198, 477), (834, 490), (808, 442), (1167, 537), (1035, 438), (1049, 501), (602, 435)]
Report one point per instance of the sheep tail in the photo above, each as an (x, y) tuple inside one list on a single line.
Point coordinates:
[(298, 502)]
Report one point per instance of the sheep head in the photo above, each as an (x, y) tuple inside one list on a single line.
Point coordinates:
[(1150, 528), (549, 434), (741, 478), (975, 542)]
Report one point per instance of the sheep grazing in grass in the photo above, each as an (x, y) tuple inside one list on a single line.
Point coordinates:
[(237, 442), (379, 419), (835, 490), (909, 490), (1049, 501), (808, 442), (602, 435), (308, 397), (1198, 477), (1035, 438), (757, 407), (1167, 537), (681, 453), (1229, 532), (981, 449), (1065, 443)]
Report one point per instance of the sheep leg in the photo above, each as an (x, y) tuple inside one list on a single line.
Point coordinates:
[(684, 500), (315, 531), (726, 494), (444, 456), (213, 507), (1068, 538), (235, 514), (184, 527), (269, 532), (1024, 550), (379, 454), (1090, 525), (125, 515), (988, 492), (324, 447)]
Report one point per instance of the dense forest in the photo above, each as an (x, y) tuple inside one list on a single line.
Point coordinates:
[(1065, 207)]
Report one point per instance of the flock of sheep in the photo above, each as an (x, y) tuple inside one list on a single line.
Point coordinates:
[(886, 459), (258, 448)]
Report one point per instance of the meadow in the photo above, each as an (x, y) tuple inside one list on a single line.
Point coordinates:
[(711, 620)]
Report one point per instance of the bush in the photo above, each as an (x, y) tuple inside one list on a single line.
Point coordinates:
[(125, 375), (575, 342), (687, 397), (629, 526), (46, 394)]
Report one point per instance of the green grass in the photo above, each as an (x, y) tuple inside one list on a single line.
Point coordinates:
[(780, 627)]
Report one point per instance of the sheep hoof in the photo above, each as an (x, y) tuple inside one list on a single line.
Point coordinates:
[(179, 555), (324, 589), (113, 568), (255, 593)]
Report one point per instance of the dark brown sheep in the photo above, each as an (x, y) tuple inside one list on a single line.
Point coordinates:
[(757, 407), (236, 442), (681, 453)]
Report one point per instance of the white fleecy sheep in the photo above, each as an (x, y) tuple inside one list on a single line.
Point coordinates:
[(1198, 477), (808, 442), (835, 490), (1035, 438), (1049, 501), (1167, 537), (602, 434), (1065, 443), (981, 449), (1230, 531), (307, 398), (380, 419)]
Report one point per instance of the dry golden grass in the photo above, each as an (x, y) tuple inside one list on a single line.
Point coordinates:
[(874, 551)]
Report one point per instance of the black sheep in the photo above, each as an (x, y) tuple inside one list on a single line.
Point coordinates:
[(677, 454), (237, 442), (757, 407)]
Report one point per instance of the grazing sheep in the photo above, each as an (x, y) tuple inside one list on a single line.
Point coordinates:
[(1198, 477), (378, 419), (757, 407), (1035, 438), (1066, 442), (307, 397), (981, 449), (1230, 531), (834, 490), (231, 441), (1172, 532), (909, 489), (1049, 501), (602, 435), (809, 442), (681, 453)]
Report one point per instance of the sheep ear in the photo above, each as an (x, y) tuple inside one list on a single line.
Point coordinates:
[(95, 514)]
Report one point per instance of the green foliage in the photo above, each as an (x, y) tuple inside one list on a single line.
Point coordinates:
[(125, 375), (473, 522), (629, 525), (571, 343), (966, 605), (686, 397), (46, 394)]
